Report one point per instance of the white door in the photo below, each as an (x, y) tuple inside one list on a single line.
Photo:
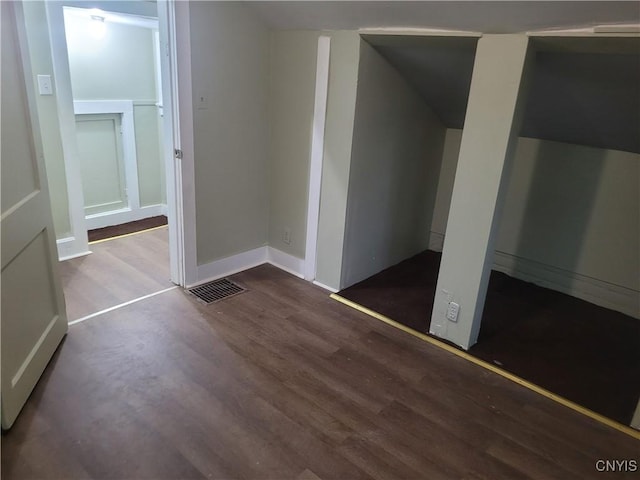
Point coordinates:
[(33, 317)]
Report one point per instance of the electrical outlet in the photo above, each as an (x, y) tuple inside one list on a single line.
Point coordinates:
[(286, 235), (452, 311)]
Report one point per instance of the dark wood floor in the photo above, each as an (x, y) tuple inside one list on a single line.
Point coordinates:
[(126, 228), (282, 382), (548, 338), (117, 271)]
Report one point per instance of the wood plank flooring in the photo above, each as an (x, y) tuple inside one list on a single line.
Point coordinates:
[(118, 270), (281, 382), (546, 337), (126, 228)]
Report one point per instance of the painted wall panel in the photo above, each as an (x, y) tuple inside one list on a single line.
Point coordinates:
[(151, 176), (395, 165), (229, 50), (567, 206), (292, 69), (101, 162)]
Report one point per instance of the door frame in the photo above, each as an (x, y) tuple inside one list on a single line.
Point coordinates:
[(316, 156), (174, 33), (179, 173), (175, 36), (77, 244)]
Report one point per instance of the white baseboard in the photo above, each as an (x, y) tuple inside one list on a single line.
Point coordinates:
[(326, 287), (436, 241), (249, 259), (230, 265), (69, 248), (614, 297), (117, 217), (286, 262), (592, 290)]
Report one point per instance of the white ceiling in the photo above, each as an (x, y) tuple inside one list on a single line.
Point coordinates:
[(483, 16)]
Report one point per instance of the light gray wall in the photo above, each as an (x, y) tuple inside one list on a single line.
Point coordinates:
[(229, 57), (292, 70), (118, 66), (450, 152), (395, 165), (42, 64), (121, 66), (341, 102), (570, 207)]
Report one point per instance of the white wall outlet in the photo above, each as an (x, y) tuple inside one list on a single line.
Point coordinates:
[(286, 235), (452, 311), (45, 87)]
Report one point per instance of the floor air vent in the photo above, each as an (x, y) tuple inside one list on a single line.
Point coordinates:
[(215, 291)]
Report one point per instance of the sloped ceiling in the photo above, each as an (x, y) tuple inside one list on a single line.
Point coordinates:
[(439, 68), (488, 17), (580, 93), (583, 91), (587, 96)]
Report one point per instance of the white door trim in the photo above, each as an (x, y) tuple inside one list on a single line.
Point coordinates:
[(64, 97), (174, 29), (317, 154)]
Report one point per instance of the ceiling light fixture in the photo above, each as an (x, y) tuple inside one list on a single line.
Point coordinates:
[(98, 27)]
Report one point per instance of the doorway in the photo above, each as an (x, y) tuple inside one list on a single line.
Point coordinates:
[(143, 135), (110, 123), (114, 67)]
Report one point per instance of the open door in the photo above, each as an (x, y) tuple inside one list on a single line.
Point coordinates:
[(33, 318)]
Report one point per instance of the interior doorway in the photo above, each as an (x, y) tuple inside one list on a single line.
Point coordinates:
[(116, 104), (114, 66), (116, 83), (121, 127)]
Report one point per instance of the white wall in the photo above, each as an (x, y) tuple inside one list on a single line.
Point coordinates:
[(571, 219), (292, 70), (121, 66), (229, 58), (395, 165)]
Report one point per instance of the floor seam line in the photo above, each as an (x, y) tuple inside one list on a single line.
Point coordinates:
[(121, 305)]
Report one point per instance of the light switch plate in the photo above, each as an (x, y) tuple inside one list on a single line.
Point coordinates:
[(45, 87)]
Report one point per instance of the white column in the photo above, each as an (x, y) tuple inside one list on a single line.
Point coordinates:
[(490, 132)]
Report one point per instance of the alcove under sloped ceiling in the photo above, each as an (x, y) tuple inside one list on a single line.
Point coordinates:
[(438, 68), (582, 91), (566, 257), (585, 91)]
